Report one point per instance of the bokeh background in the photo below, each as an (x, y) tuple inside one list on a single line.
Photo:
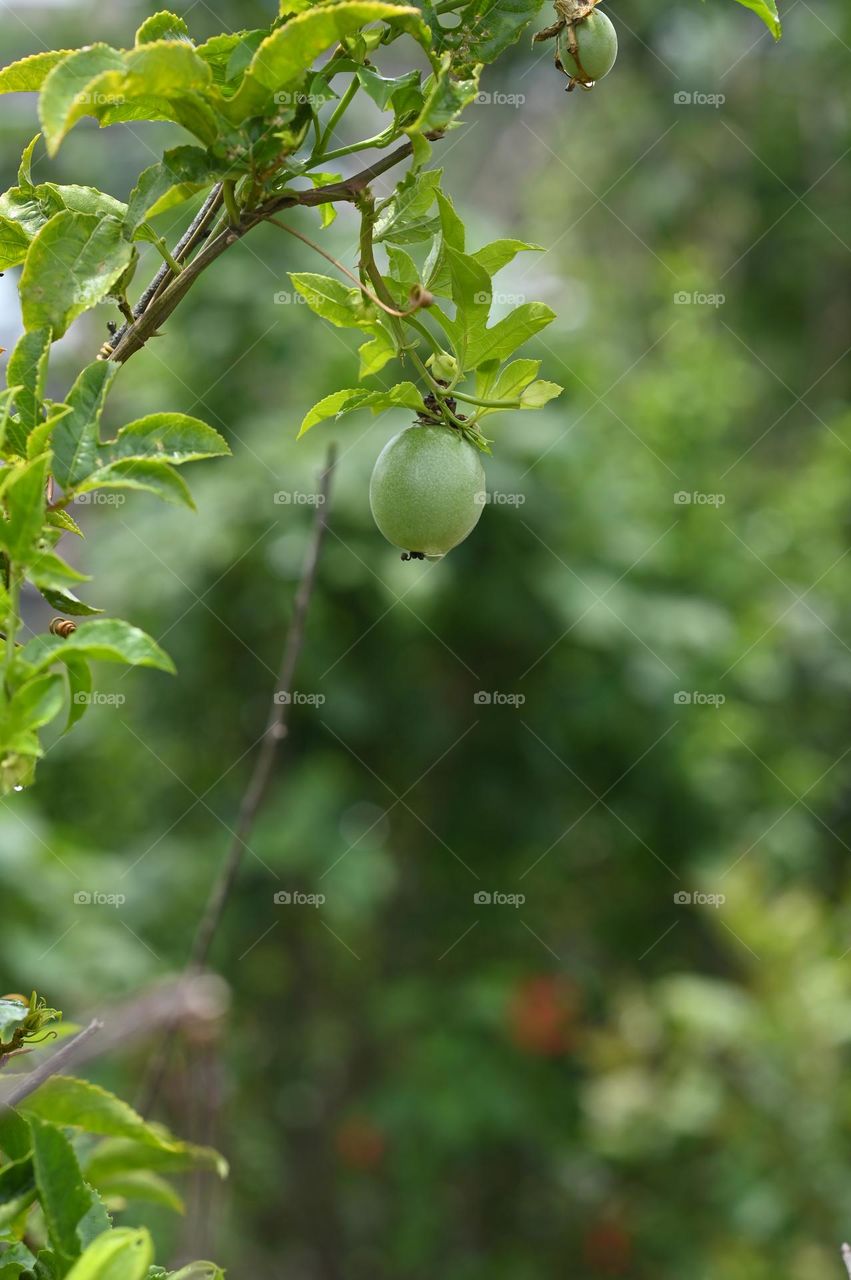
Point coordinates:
[(641, 1069)]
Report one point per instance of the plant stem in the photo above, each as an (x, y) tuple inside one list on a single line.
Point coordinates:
[(378, 140), (14, 610), (229, 194), (162, 248), (335, 118), (261, 774)]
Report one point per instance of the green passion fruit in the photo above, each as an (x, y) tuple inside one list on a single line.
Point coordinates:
[(427, 490), (597, 44)]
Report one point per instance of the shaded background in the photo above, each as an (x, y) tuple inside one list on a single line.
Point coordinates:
[(604, 1079)]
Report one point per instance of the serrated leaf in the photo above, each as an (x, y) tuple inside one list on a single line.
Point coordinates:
[(283, 57), (29, 74), (24, 501), (165, 437), (499, 253), (162, 26), (120, 1254), (27, 370), (505, 337), (485, 30), (539, 393), (63, 1195), (66, 89), (186, 169), (104, 640), (145, 474), (71, 265), (446, 97), (14, 243), (406, 213), (375, 354), (76, 437), (114, 1157), (45, 569)]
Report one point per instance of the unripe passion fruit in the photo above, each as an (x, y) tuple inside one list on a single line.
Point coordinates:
[(597, 43), (427, 490)]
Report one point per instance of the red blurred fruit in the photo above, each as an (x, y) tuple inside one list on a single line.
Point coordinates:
[(607, 1248), (542, 1016), (360, 1144)]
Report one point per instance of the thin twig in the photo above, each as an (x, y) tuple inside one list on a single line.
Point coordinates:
[(171, 290), (261, 774), (58, 1061)]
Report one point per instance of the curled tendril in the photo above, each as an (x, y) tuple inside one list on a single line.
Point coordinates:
[(33, 1027)]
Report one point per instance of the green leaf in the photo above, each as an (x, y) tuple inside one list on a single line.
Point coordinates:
[(539, 393), (64, 1197), (31, 207), (71, 265), (29, 74), (90, 200), (486, 30), (505, 337), (345, 307), (375, 354), (27, 370), (165, 437), (25, 166), (14, 243), (66, 89), (46, 571), (24, 500), (283, 57), (121, 1254), (145, 474), (767, 10), (446, 98), (184, 170), (403, 395), (104, 640), (34, 704), (15, 1139), (162, 26), (114, 1157), (404, 217), (142, 1184), (496, 255), (382, 90), (76, 437), (67, 602), (79, 687)]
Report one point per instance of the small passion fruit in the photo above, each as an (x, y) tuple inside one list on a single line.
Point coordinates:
[(427, 490), (596, 44)]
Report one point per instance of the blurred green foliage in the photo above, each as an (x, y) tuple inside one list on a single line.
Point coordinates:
[(603, 1080)]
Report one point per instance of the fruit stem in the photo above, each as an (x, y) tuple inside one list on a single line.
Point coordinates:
[(334, 119)]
